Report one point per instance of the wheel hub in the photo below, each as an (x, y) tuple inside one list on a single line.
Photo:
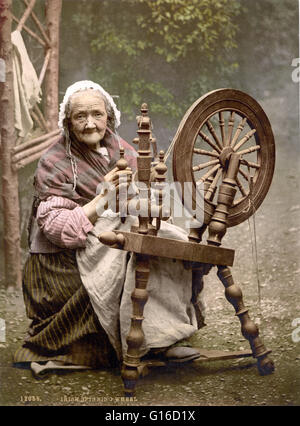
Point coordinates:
[(225, 155)]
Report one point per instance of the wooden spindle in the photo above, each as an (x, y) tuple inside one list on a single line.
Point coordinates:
[(245, 176), (213, 186), (205, 165), (121, 202), (238, 131), (244, 139), (122, 162), (222, 126), (209, 142), (160, 179), (230, 128), (209, 173), (213, 133), (135, 338), (144, 167), (204, 152), (240, 186), (249, 150), (250, 164)]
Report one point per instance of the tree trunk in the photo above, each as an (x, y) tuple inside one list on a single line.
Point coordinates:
[(10, 195), (53, 11)]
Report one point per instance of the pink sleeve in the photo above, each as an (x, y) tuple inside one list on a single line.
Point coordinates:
[(63, 222)]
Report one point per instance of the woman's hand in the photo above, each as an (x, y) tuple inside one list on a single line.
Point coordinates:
[(120, 179), (117, 184)]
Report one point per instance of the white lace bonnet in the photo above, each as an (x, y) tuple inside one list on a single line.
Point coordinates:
[(84, 85)]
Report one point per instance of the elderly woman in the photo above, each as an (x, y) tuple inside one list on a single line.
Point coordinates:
[(64, 326)]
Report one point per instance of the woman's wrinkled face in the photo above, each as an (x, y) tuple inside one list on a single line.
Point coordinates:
[(88, 117)]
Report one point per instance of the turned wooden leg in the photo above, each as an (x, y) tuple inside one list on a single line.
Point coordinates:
[(135, 338), (249, 329)]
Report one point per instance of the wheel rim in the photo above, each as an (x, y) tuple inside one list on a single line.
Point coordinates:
[(220, 122)]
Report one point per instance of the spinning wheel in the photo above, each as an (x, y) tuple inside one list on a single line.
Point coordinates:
[(216, 125), (224, 141)]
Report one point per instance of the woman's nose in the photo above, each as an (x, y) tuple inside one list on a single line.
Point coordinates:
[(90, 124)]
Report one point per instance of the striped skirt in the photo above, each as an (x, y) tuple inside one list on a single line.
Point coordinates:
[(64, 325)]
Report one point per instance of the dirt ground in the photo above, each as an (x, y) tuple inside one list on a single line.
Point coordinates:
[(232, 382)]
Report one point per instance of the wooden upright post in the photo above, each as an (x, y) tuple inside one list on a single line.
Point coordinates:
[(139, 296), (53, 12), (10, 196)]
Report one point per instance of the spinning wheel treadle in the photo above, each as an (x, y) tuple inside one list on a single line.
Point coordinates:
[(219, 123)]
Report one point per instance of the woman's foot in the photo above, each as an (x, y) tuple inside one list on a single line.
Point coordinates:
[(179, 354), (175, 353)]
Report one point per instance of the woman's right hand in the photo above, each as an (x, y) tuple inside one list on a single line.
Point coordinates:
[(119, 178)]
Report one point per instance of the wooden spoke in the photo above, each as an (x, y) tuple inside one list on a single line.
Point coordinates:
[(230, 128), (250, 164), (205, 165), (213, 133), (249, 150), (241, 188), (209, 173), (222, 127), (207, 140), (244, 140), (213, 185), (245, 175), (204, 152), (238, 131)]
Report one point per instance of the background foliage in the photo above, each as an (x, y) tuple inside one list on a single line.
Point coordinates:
[(161, 50), (170, 52)]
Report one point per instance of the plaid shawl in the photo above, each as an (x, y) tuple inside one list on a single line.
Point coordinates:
[(54, 175)]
